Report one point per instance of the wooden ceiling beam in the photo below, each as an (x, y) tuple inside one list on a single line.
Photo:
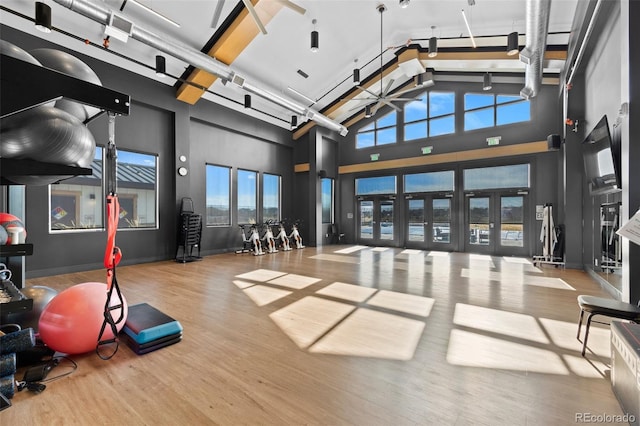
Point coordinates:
[(228, 47), (409, 54)]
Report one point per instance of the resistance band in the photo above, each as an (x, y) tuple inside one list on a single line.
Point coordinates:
[(112, 254)]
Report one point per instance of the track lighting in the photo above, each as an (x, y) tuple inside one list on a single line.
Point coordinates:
[(433, 47), (424, 79), (486, 82), (368, 113), (247, 101), (294, 121), (356, 76), (43, 17), (512, 44), (315, 42), (404, 3), (161, 66)]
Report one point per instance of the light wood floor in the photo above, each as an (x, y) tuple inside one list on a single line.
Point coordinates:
[(321, 337)]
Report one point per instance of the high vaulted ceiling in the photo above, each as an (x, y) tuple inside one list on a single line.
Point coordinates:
[(350, 37)]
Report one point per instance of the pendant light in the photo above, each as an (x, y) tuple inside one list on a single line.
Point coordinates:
[(315, 38), (486, 82), (43, 17), (512, 44)]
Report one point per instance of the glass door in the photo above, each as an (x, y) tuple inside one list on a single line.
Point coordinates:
[(429, 222), (479, 224), (495, 223), (377, 221)]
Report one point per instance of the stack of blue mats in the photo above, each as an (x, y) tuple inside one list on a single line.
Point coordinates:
[(148, 329)]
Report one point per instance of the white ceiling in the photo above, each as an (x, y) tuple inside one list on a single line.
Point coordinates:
[(349, 31)]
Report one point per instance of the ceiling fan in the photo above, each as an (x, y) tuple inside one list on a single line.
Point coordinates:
[(383, 97), (252, 11)]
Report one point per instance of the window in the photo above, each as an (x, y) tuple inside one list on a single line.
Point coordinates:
[(136, 179), (376, 185), (247, 195), (482, 110), (218, 195), (326, 185), (429, 182), (381, 132), (515, 176), (77, 203), (270, 197), (432, 114)]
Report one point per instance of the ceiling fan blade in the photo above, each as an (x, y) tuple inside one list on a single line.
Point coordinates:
[(364, 89), (401, 99), (293, 6), (386, 89), (359, 107), (386, 102), (217, 13), (402, 92), (254, 15)]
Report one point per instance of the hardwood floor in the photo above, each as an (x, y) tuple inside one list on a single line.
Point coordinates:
[(333, 336)]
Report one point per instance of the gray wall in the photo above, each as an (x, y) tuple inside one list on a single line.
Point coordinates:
[(158, 124)]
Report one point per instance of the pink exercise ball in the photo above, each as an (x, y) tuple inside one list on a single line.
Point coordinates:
[(71, 322)]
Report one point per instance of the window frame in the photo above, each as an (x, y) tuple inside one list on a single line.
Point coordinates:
[(279, 197), (229, 192), (256, 192), (494, 107), (376, 130), (429, 118)]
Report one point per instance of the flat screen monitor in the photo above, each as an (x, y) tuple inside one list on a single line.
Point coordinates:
[(599, 165)]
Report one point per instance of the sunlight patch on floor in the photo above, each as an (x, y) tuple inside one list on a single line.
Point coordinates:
[(563, 334), (353, 293), (351, 249), (401, 302), (263, 295), (336, 258), (380, 249), (368, 333), (548, 282), (438, 253), (521, 260), (500, 322), (294, 281), (411, 251), (477, 350), (243, 284), (588, 368), (307, 319), (261, 275)]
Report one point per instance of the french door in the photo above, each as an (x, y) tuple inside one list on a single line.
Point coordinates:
[(429, 222), (495, 223), (377, 222)]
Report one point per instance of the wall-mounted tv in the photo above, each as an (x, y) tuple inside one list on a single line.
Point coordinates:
[(601, 165)]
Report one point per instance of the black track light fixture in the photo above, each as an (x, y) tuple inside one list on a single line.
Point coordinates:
[(512, 44), (43, 17), (247, 101), (368, 113), (315, 38), (486, 85), (294, 121), (161, 66)]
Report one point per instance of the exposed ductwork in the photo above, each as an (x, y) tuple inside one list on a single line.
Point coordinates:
[(200, 60), (536, 27)]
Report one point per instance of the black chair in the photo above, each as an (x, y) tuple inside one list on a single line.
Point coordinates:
[(334, 235), (607, 307)]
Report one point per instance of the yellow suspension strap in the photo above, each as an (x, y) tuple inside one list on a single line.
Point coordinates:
[(112, 254)]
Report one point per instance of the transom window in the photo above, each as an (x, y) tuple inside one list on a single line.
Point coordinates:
[(499, 177), (429, 182), (432, 114), (376, 185), (482, 110), (381, 132)]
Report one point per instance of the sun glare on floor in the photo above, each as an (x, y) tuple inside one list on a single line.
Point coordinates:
[(499, 322), (307, 319), (368, 333), (353, 293), (478, 350), (263, 295)]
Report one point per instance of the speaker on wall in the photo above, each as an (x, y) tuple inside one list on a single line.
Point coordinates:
[(322, 174), (554, 142)]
